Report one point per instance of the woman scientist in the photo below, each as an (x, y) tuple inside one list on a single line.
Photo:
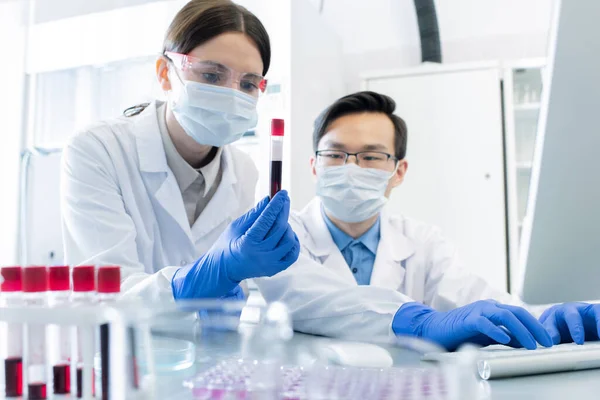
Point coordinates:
[(156, 190)]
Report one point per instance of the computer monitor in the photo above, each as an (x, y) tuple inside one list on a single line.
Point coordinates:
[(560, 245)]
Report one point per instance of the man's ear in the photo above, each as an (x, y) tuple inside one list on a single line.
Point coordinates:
[(313, 165), (398, 177)]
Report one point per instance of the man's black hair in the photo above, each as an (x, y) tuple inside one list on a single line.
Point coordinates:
[(362, 102)]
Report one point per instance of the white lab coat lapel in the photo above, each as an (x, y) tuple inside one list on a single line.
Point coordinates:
[(158, 178), (224, 204), (320, 243), (389, 270)]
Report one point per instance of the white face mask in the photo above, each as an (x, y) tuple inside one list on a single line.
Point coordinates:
[(351, 193), (214, 115)]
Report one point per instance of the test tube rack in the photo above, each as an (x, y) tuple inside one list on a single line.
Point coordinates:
[(88, 318)]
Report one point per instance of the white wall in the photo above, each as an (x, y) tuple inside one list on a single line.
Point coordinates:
[(317, 66), (383, 34), (12, 42), (94, 43), (58, 9)]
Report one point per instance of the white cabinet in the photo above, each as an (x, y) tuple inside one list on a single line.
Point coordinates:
[(455, 154), (471, 135)]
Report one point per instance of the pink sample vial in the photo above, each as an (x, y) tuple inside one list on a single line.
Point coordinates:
[(60, 292), (277, 129), (11, 296), (35, 291), (109, 283)]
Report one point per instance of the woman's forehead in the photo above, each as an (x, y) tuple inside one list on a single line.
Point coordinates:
[(232, 49)]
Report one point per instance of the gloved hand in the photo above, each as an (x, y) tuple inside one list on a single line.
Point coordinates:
[(259, 243), (575, 322), (482, 322)]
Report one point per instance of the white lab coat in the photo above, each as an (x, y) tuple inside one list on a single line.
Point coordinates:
[(121, 204), (413, 263)]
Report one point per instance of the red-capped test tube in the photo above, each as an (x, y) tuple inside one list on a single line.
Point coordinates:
[(84, 293), (35, 291), (60, 291), (109, 287), (277, 129), (11, 296)]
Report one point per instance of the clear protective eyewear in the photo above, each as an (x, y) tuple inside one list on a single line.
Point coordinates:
[(364, 159), (217, 74)]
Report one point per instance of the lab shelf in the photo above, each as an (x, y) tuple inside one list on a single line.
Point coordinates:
[(522, 104), (525, 164), (527, 107)]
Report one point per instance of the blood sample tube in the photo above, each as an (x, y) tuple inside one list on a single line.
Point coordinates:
[(84, 293), (59, 283), (11, 296), (277, 129), (35, 287), (109, 287)]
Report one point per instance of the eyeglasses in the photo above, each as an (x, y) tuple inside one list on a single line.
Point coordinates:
[(216, 74), (364, 159)]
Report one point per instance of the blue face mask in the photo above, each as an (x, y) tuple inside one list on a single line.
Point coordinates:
[(351, 193), (214, 115)]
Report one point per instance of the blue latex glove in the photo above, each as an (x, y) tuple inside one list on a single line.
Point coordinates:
[(236, 294), (484, 322), (259, 243), (572, 322)]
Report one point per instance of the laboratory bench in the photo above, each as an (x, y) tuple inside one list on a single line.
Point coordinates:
[(224, 345)]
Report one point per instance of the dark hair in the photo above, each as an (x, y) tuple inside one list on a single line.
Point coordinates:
[(201, 20), (362, 102)]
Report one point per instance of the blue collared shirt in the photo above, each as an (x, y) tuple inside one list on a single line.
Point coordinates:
[(358, 253)]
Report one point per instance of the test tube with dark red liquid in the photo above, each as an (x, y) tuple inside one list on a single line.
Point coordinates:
[(35, 288), (60, 291), (11, 296), (277, 129), (84, 293)]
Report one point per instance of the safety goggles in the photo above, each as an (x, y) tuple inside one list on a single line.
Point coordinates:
[(216, 74)]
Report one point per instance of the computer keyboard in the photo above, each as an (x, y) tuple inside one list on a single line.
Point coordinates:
[(499, 361)]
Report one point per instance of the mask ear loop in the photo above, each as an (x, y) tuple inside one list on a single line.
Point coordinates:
[(171, 65), (395, 169)]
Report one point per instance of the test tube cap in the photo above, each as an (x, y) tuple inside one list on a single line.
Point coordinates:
[(58, 278), (35, 279), (277, 127), (13, 281), (109, 279), (84, 279)]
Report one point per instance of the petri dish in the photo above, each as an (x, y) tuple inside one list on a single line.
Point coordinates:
[(172, 354)]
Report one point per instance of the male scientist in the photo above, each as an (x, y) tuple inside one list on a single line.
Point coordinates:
[(364, 273)]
